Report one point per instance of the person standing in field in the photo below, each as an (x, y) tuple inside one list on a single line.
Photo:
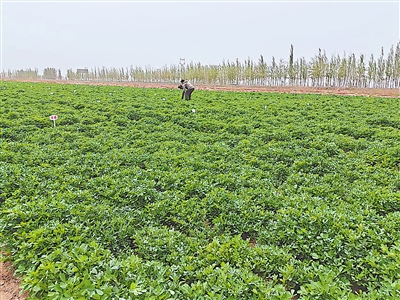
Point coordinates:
[(187, 88)]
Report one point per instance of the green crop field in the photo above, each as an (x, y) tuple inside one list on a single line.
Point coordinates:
[(136, 194)]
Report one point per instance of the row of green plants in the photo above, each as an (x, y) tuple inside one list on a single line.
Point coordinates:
[(320, 71), (137, 194)]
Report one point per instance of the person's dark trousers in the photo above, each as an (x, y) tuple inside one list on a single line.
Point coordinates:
[(188, 94)]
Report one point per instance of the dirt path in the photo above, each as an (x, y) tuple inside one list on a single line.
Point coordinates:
[(10, 286), (392, 93)]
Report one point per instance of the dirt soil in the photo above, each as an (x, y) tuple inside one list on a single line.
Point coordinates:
[(10, 285), (372, 92)]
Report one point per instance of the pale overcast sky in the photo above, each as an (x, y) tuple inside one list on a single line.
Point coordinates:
[(78, 34)]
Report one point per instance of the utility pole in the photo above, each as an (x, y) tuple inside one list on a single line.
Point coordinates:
[(182, 64)]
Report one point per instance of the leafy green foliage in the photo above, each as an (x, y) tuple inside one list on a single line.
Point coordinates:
[(136, 194)]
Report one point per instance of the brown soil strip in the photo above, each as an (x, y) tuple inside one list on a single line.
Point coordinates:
[(9, 284), (372, 92)]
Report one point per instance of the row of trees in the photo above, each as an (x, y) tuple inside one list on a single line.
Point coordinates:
[(320, 71)]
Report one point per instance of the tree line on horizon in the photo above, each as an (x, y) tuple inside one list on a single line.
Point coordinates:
[(320, 71)]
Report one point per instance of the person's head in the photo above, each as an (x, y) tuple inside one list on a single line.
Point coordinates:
[(183, 80)]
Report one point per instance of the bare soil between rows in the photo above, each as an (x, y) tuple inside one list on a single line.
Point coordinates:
[(10, 285), (371, 92)]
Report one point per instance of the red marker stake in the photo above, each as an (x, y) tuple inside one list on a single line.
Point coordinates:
[(54, 118)]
